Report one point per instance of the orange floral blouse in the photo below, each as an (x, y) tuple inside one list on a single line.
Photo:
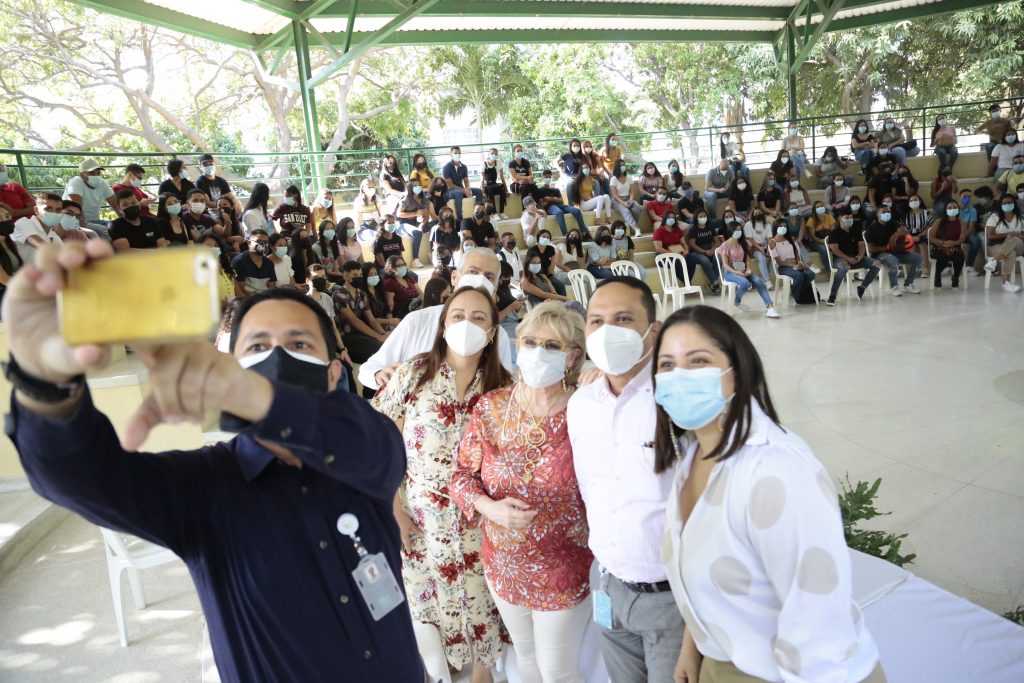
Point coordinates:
[(545, 566)]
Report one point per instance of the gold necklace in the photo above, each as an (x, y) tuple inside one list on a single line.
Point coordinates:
[(536, 437)]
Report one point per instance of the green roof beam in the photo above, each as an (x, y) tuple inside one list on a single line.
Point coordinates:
[(812, 33), (547, 8), (350, 26), (372, 40), (542, 36), (155, 15), (908, 13)]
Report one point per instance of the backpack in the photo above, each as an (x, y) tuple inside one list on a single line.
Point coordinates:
[(808, 295)]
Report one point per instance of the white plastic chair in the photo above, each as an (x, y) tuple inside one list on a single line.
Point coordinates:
[(883, 271), (583, 284), (626, 268), (783, 283), (1019, 264), (849, 274), (128, 553), (964, 278), (728, 288), (675, 294)]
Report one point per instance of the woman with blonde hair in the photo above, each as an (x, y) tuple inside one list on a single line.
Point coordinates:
[(515, 469)]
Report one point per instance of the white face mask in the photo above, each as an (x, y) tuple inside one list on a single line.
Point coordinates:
[(540, 367), (741, 186), (915, 204), (615, 349), (135, 182), (544, 241), (209, 170), (197, 207), (475, 280), (619, 232), (465, 338), (256, 358), (702, 219)]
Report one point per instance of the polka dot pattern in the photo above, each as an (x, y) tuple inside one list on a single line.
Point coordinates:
[(786, 655), (817, 573), (699, 636), (767, 502), (715, 493), (731, 576), (719, 635)]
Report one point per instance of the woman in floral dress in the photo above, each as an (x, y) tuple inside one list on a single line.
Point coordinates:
[(430, 399), (515, 469)]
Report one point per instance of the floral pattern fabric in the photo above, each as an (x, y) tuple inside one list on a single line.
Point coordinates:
[(442, 571), (545, 566)]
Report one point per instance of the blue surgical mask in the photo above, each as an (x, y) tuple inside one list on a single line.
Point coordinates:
[(854, 207), (586, 171), (281, 252), (173, 209), (417, 189), (535, 268), (691, 397), (884, 217), (401, 271), (1007, 208), (519, 154), (670, 221), (736, 234), (819, 210), (329, 234)]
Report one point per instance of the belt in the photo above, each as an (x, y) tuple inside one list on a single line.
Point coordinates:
[(659, 587)]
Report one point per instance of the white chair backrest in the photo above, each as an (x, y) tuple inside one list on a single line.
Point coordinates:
[(583, 284), (627, 268), (115, 543), (718, 262), (666, 264)]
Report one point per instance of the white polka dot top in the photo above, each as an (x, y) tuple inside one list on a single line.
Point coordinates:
[(761, 571)]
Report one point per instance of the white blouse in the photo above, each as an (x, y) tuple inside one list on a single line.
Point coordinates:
[(761, 571)]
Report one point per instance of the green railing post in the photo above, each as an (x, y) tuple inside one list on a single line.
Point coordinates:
[(924, 128), (814, 141), (22, 172), (711, 145)]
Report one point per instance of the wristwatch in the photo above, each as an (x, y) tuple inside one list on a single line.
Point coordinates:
[(40, 389)]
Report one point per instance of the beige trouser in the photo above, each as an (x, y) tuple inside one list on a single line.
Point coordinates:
[(714, 671), (1007, 252)]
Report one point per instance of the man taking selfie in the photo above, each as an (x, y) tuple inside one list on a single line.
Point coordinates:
[(286, 530)]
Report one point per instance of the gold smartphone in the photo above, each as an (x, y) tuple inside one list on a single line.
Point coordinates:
[(148, 296)]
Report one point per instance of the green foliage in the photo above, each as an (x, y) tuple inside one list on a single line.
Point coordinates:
[(857, 504), (1016, 615), (481, 78)]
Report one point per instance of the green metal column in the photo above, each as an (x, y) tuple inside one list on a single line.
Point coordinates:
[(309, 116), (791, 69)]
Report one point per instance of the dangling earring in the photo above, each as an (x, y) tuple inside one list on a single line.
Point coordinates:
[(675, 441), (721, 421)]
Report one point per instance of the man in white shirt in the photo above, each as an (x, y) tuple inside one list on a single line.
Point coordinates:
[(90, 190), (35, 231), (417, 331), (612, 427), (509, 255)]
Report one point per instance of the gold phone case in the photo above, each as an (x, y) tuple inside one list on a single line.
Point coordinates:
[(150, 296)]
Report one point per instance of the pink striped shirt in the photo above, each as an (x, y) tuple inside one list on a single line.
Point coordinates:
[(613, 452)]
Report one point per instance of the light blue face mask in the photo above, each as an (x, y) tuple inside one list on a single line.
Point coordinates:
[(691, 397)]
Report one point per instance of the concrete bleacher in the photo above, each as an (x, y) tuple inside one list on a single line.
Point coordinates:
[(970, 170)]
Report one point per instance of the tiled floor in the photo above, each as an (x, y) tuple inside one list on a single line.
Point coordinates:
[(925, 392)]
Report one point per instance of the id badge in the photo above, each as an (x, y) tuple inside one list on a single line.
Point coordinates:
[(377, 585), (602, 609)]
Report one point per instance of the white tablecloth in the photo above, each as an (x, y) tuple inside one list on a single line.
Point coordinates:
[(924, 634)]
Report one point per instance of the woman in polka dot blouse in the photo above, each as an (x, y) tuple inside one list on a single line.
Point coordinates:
[(754, 546)]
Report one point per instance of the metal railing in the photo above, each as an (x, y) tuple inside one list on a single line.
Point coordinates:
[(694, 148)]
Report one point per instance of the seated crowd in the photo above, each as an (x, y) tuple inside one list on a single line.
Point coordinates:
[(678, 427)]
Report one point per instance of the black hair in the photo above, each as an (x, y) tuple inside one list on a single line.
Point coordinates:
[(646, 295), (161, 205), (984, 192), (124, 193), (351, 265), (454, 147), (258, 231), (194, 191), (259, 198), (286, 294), (432, 291), (225, 256), (134, 169), (174, 167), (748, 375), (70, 203)]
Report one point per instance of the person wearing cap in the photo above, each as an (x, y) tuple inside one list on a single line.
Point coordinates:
[(279, 526), (212, 185), (996, 126), (32, 232), (134, 174), (90, 190), (417, 331), (14, 196)]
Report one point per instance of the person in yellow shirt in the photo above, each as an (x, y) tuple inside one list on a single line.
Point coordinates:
[(1014, 176), (420, 172)]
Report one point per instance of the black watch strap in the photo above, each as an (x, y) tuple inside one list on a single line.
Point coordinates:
[(40, 389)]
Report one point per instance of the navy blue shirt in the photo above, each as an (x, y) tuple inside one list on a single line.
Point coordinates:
[(259, 537), (456, 174)]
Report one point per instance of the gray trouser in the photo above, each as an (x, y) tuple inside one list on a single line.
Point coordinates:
[(647, 634)]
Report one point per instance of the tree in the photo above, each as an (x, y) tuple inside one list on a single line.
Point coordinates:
[(481, 78)]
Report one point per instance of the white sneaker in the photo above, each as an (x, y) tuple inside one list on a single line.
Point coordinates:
[(912, 288), (1010, 287), (416, 263), (971, 271), (990, 265), (768, 285), (771, 313), (636, 232), (815, 269), (895, 291)]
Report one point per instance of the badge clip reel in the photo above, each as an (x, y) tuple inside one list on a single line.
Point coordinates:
[(603, 603), (373, 576)]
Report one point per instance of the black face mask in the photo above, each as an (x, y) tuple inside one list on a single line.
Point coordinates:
[(281, 366), (490, 211), (358, 282), (604, 240), (6, 228), (445, 257), (420, 166), (320, 284), (479, 215), (510, 245), (260, 248), (132, 213)]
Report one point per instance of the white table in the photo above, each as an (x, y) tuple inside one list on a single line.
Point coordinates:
[(924, 633)]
